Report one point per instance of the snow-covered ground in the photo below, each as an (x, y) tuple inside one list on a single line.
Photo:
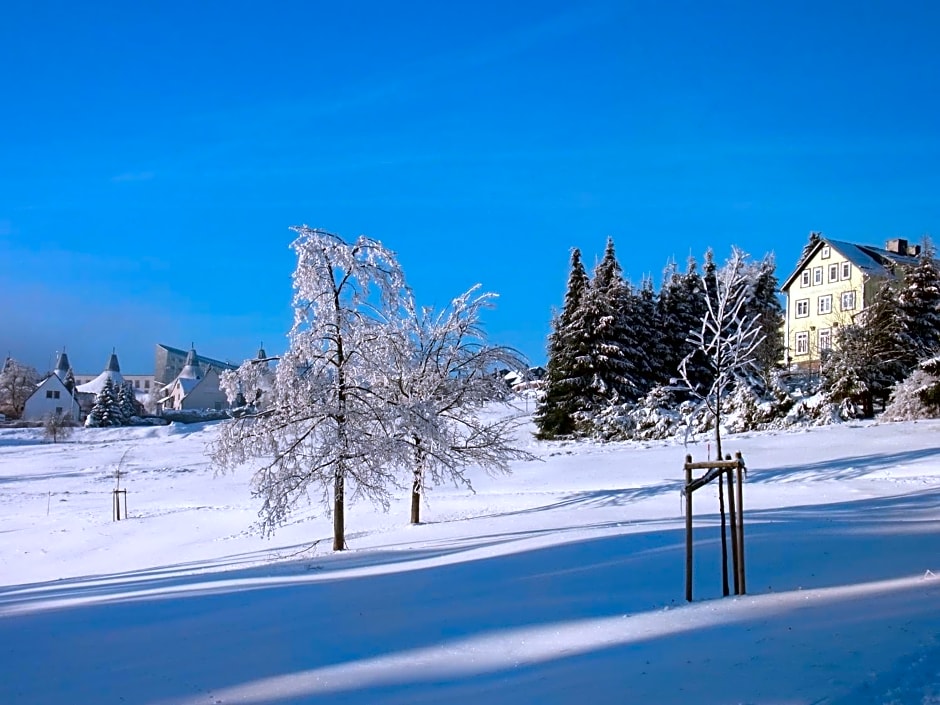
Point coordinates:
[(560, 583)]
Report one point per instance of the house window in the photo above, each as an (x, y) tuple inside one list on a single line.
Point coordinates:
[(833, 272), (48, 394), (137, 384), (52, 394), (846, 271), (58, 410), (146, 384), (848, 301), (802, 343), (804, 280), (802, 308), (825, 304), (826, 251), (817, 276), (218, 406), (825, 339)]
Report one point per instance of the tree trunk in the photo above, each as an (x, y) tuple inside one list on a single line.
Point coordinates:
[(416, 498), (339, 518), (418, 484)]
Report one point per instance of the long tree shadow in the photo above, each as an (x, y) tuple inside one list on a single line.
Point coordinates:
[(182, 636), (843, 468)]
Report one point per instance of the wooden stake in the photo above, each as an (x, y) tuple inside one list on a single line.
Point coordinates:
[(688, 528), (724, 539), (732, 512), (740, 491)]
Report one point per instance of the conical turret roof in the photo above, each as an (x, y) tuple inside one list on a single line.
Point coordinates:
[(191, 368), (62, 365), (112, 371)]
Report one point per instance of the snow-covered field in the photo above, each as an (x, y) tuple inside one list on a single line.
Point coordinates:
[(561, 583)]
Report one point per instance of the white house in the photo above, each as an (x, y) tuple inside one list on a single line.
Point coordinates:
[(194, 388), (52, 396)]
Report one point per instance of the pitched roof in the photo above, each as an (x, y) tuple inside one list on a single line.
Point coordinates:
[(874, 261)]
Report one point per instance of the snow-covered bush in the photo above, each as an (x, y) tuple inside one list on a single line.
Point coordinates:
[(914, 398)]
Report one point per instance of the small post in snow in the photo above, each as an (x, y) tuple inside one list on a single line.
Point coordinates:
[(717, 470), (688, 528)]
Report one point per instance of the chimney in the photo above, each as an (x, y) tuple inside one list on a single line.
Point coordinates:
[(898, 246), (913, 250)]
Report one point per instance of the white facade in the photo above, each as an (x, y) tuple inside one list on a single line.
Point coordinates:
[(51, 397)]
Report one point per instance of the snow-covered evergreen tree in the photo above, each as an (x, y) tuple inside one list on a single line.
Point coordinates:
[(605, 313), (764, 304), (812, 241), (127, 402), (107, 408), (867, 359), (69, 381), (325, 425), (694, 363), (569, 372), (918, 301), (676, 321), (645, 345), (918, 396)]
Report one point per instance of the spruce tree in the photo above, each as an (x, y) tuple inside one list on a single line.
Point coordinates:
[(107, 410), (764, 304), (919, 308), (672, 317), (814, 238), (698, 369), (69, 381), (646, 346), (868, 359), (569, 373), (605, 312), (127, 403)]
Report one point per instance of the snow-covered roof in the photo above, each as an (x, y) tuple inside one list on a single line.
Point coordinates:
[(62, 365), (873, 261), (191, 369), (188, 384), (112, 371)]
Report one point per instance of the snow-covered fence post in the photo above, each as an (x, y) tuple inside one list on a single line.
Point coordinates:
[(716, 469)]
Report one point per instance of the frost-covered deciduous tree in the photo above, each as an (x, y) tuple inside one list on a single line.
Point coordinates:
[(726, 337), (445, 374), (57, 425), (324, 425), (17, 383)]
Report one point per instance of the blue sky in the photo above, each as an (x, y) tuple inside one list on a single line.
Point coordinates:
[(153, 157)]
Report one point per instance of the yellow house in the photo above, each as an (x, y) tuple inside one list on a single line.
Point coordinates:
[(832, 285)]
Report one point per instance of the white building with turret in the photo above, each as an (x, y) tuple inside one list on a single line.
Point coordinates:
[(52, 396)]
